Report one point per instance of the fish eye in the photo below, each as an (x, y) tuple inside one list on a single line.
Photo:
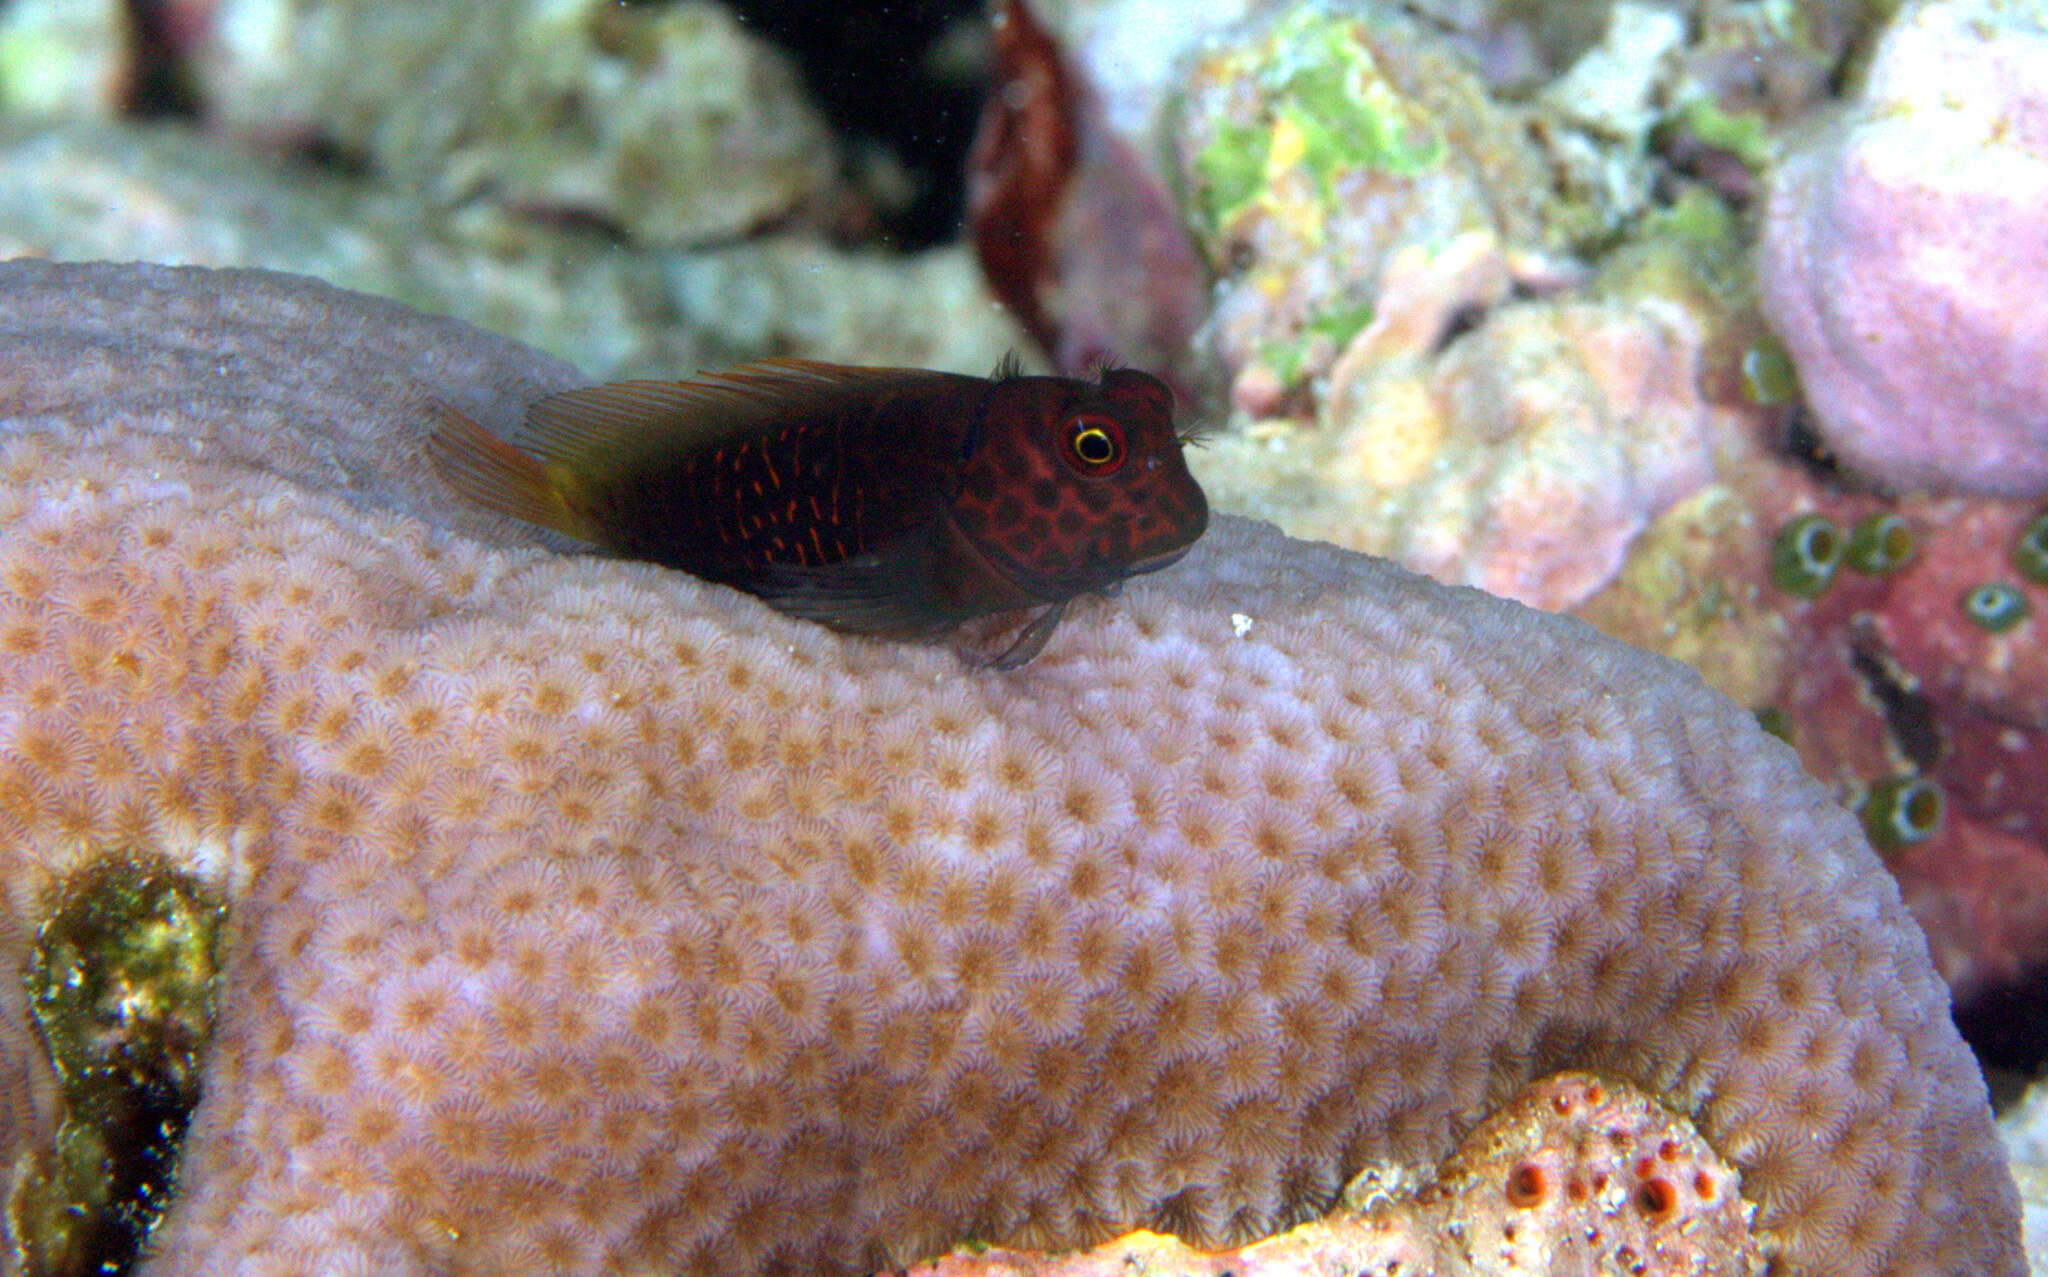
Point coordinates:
[(1095, 444)]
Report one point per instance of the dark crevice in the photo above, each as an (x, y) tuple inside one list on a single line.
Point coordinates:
[(159, 84), (890, 79), (2007, 1025), (1911, 719), (1800, 440), (331, 155), (1463, 320)]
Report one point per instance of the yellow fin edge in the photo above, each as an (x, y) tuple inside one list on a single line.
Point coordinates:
[(499, 476)]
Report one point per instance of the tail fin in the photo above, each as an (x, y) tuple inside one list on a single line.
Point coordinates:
[(498, 476)]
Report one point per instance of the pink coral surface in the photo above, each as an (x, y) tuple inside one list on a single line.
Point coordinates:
[(1886, 676), (587, 917)]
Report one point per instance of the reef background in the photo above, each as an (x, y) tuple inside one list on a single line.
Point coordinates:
[(1529, 313)]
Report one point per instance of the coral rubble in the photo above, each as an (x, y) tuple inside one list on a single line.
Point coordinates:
[(82, 191), (671, 122), (590, 917)]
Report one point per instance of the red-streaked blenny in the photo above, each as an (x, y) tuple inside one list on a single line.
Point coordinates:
[(886, 501)]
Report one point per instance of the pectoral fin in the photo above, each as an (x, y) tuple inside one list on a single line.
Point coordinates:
[(1030, 640), (887, 592)]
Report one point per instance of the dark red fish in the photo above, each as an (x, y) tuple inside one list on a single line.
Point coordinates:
[(890, 501)]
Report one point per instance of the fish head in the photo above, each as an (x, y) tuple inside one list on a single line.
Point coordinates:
[(1074, 485)]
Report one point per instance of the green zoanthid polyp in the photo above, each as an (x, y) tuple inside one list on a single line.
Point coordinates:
[(1806, 554), (1901, 811), (1881, 544), (1995, 607)]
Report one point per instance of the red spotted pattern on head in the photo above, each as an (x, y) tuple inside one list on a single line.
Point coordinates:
[(1076, 485)]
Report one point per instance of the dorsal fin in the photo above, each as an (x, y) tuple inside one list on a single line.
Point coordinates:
[(599, 427)]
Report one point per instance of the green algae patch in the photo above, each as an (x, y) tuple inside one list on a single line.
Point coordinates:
[(1692, 251), (1697, 217), (122, 986), (1334, 328), (1309, 100), (1746, 135)]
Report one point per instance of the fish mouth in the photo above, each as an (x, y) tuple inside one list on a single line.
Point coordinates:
[(1107, 580), (1164, 559)]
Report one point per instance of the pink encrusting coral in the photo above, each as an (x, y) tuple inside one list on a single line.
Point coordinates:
[(587, 917)]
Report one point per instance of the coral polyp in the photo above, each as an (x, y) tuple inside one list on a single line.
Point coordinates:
[(2030, 551), (1806, 553), (1768, 377), (1881, 544), (1995, 606), (1902, 811)]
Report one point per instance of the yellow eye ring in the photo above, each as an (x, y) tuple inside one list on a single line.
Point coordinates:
[(1095, 444)]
